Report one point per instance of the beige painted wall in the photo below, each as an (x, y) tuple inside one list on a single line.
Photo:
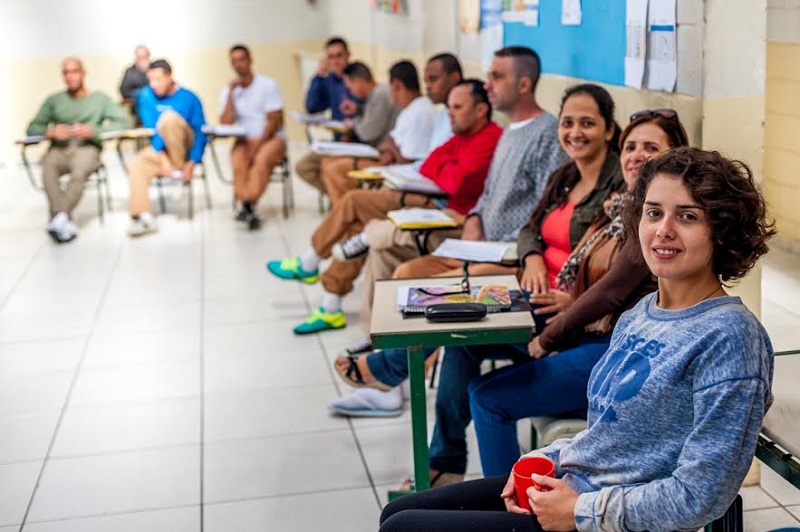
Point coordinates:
[(204, 71), (782, 157)]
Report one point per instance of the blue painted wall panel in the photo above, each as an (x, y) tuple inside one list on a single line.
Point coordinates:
[(595, 50)]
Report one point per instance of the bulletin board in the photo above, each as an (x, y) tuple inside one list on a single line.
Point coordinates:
[(594, 51)]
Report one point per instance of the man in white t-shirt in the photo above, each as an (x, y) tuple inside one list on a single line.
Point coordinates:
[(254, 102), (408, 141)]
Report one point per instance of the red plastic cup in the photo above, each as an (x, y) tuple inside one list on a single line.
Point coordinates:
[(522, 472)]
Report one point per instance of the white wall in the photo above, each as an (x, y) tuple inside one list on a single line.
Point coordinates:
[(43, 28)]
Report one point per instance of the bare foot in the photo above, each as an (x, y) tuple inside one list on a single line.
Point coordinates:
[(343, 362)]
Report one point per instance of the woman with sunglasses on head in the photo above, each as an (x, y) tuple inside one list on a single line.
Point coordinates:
[(677, 401), (602, 279)]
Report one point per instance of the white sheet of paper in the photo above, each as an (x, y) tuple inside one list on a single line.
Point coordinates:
[(416, 215), (225, 130), (491, 41), (662, 62), (636, 42), (344, 149), (471, 251), (571, 13)]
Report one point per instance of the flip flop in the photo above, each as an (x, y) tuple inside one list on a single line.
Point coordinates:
[(352, 376)]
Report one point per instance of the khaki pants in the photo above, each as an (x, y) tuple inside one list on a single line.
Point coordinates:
[(178, 138), (77, 161), (252, 166), (309, 169), (430, 266), (334, 174), (347, 218), (389, 247)]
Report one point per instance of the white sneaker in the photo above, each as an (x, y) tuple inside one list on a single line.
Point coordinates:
[(350, 249), (61, 229), (143, 225), (367, 402)]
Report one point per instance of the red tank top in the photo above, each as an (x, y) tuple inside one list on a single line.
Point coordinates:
[(555, 233)]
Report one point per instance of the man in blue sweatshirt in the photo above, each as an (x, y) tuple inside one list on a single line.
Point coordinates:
[(177, 116), (328, 91)]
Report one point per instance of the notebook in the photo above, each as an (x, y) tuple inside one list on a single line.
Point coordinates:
[(412, 300), (417, 218), (405, 177)]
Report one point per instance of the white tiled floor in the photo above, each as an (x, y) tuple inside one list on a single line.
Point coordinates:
[(155, 384)]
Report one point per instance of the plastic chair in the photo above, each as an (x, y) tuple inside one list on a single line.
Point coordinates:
[(161, 181), (97, 179)]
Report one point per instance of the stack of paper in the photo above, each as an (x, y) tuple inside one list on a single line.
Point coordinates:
[(406, 178), (344, 149), (472, 251), (417, 218)]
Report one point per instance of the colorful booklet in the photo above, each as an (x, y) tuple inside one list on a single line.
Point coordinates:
[(413, 300)]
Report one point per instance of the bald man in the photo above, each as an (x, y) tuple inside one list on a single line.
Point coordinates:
[(73, 121)]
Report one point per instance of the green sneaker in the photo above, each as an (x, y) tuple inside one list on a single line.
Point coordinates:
[(321, 321), (290, 269)]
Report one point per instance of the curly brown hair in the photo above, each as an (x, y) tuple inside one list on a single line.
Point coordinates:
[(727, 193)]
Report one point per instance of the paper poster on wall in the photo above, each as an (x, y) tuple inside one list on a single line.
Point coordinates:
[(571, 12), (524, 11), (662, 62), (395, 7), (635, 41), (469, 16), (491, 30)]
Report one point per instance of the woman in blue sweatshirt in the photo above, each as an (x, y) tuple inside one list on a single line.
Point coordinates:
[(677, 401)]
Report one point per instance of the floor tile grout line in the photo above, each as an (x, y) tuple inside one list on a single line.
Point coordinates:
[(202, 367), (324, 353), (115, 514), (25, 273), (84, 351)]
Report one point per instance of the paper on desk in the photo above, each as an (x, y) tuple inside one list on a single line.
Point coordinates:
[(344, 149), (662, 65), (405, 177), (317, 120), (225, 130), (418, 218), (472, 251), (635, 42)]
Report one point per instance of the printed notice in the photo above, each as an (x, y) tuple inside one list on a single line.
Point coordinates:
[(635, 42), (571, 13), (662, 62)]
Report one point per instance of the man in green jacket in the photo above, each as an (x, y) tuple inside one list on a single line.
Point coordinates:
[(73, 121)]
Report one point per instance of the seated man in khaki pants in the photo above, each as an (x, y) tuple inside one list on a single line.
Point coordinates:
[(177, 116), (72, 120)]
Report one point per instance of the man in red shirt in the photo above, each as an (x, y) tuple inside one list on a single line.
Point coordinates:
[(459, 167)]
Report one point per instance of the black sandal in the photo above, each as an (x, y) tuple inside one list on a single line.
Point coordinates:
[(352, 375)]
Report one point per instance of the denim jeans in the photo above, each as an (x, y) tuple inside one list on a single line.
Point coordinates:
[(551, 386), (390, 366), (461, 364)]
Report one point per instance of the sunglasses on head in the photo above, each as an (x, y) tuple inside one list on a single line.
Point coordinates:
[(670, 114)]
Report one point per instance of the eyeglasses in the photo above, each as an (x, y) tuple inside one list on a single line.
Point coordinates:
[(670, 114), (465, 286)]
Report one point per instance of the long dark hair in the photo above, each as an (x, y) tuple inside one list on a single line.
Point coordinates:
[(564, 178)]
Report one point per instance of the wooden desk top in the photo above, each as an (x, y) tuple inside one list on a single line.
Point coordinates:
[(387, 321)]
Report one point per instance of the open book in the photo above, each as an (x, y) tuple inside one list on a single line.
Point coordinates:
[(344, 149), (417, 218), (405, 177)]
